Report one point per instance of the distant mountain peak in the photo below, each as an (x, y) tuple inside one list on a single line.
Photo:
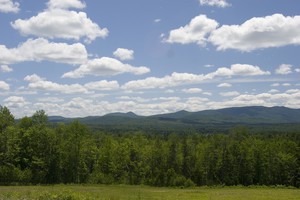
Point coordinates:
[(234, 115), (121, 114)]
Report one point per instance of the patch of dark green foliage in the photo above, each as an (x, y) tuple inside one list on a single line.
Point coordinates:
[(32, 151)]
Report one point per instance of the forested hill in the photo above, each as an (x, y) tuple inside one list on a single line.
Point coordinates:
[(245, 115), (206, 121), (33, 151)]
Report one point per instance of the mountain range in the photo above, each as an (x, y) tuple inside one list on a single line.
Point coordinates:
[(202, 120)]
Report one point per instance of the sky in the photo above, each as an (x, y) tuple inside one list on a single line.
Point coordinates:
[(76, 58)]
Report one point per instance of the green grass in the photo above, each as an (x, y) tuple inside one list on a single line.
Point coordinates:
[(120, 192)]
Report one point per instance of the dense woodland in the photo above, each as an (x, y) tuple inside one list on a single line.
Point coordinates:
[(33, 151)]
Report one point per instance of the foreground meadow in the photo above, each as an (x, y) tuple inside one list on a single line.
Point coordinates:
[(120, 192)]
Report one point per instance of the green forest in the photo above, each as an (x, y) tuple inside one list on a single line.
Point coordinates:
[(34, 151)]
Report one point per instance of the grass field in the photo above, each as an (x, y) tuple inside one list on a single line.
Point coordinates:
[(120, 192)]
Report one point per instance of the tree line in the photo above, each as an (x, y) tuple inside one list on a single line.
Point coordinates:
[(33, 151)]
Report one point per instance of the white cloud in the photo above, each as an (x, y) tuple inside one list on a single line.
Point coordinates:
[(284, 69), (229, 94), (208, 65), (102, 85), (224, 85), (265, 99), (297, 70), (197, 99), (4, 86), (193, 104), (33, 78), (247, 70), (5, 69), (176, 79), (59, 23), (38, 83), (50, 99), (194, 32), (150, 106), (292, 91), (218, 3), (7, 6), (278, 84), (207, 93), (65, 4), (258, 33), (15, 102), (275, 85), (124, 54), (157, 20), (273, 91), (41, 49), (83, 106), (192, 90), (105, 66), (240, 70), (137, 99), (172, 80)]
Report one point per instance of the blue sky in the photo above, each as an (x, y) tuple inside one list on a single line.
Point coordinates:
[(83, 58)]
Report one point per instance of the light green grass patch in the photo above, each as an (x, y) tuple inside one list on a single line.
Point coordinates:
[(125, 192)]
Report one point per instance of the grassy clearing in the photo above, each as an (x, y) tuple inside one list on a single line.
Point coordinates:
[(120, 192)]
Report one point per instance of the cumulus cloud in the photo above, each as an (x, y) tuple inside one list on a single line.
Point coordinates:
[(105, 66), (224, 85), (172, 80), (38, 83), (176, 79), (4, 86), (278, 84), (194, 32), (65, 4), (284, 69), (292, 91), (83, 107), (192, 90), (291, 100), (60, 23), (124, 54), (50, 99), (7, 6), (258, 33), (195, 100), (218, 3), (239, 70), (102, 85), (5, 68), (15, 102), (273, 91), (41, 49)]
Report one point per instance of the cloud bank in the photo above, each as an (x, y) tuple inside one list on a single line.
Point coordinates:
[(58, 22), (42, 50), (256, 33), (7, 6)]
